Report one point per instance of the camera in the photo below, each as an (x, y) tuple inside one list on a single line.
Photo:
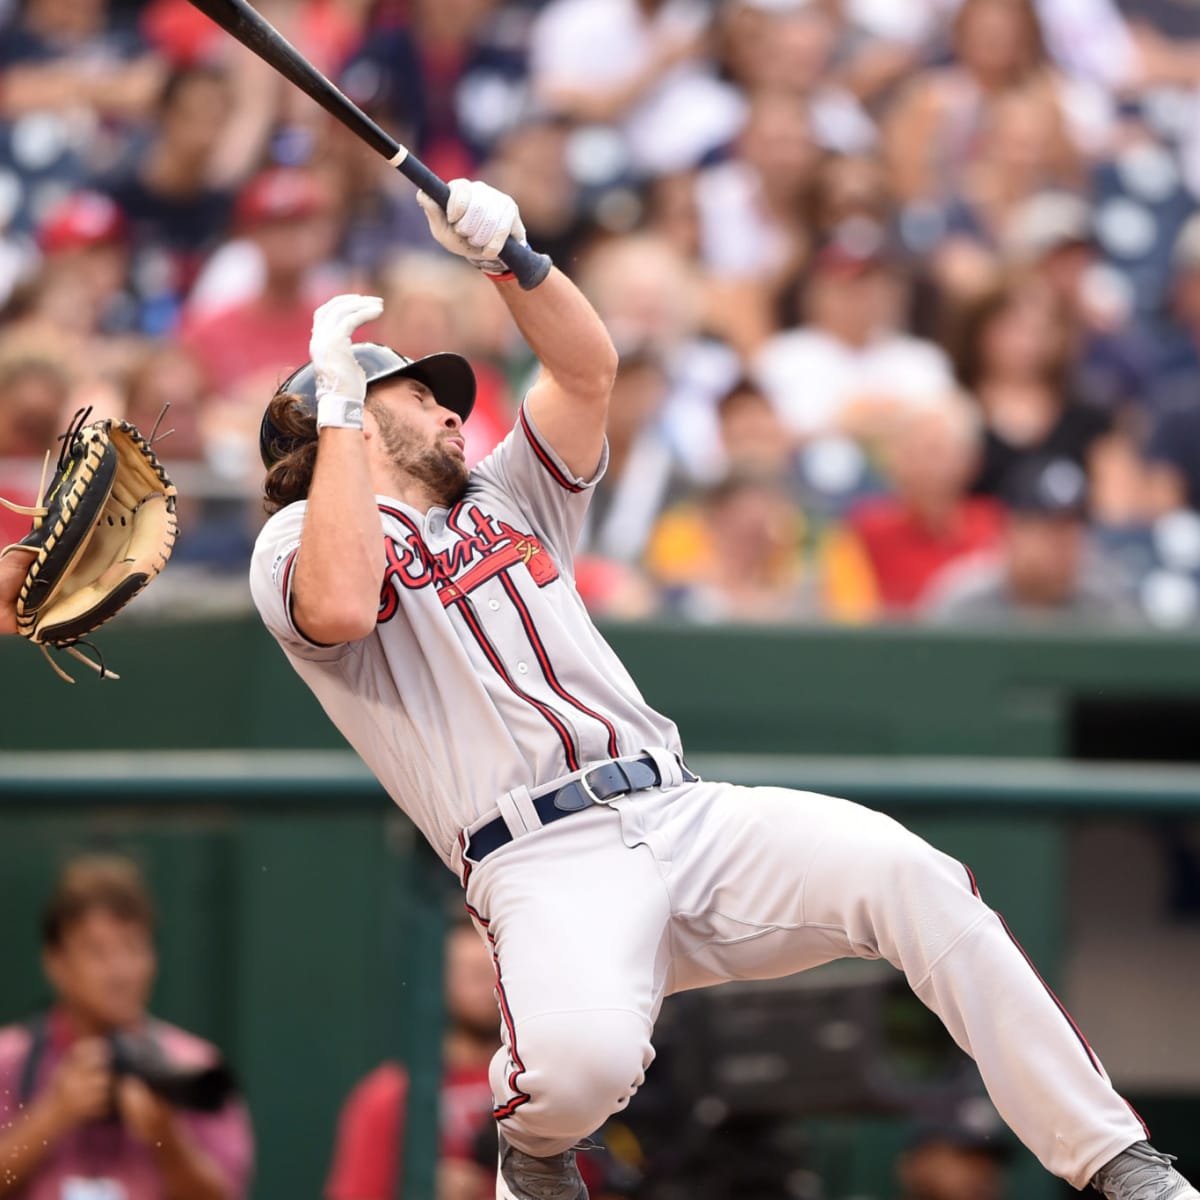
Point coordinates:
[(201, 1089)]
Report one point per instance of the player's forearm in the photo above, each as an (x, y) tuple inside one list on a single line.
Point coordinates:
[(339, 570), (566, 334), (569, 401)]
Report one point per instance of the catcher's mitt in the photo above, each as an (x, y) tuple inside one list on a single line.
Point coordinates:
[(104, 529)]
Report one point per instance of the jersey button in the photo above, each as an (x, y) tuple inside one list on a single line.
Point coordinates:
[(523, 668), (493, 605)]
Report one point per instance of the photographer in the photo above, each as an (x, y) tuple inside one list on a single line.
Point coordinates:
[(82, 1114)]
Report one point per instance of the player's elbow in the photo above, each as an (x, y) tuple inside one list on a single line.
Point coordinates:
[(587, 386), (592, 381), (333, 620), (605, 370)]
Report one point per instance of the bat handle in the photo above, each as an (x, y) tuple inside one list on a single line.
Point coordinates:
[(529, 267)]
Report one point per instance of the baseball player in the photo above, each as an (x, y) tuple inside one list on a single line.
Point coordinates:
[(431, 609)]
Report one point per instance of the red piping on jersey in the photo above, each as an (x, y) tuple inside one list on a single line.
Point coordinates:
[(544, 458), (389, 598), (509, 1107), (402, 517), (467, 864), (454, 595), (564, 734), (1062, 1008), (544, 659)]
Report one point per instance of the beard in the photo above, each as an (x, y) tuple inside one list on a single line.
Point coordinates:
[(437, 467)]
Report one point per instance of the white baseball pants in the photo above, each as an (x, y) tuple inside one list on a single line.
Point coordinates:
[(594, 918)]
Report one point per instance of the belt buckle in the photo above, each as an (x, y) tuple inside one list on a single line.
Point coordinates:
[(586, 787), (589, 791)]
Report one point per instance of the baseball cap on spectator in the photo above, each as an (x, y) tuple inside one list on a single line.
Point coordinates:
[(280, 194), (1046, 222), (80, 220), (1185, 254), (1040, 486)]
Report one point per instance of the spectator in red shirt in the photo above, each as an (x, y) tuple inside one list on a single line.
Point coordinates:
[(78, 302), (69, 1125), (931, 453), (367, 1153), (250, 344), (288, 215)]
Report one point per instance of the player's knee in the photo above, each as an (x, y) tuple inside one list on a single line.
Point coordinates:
[(580, 1068), (918, 901)]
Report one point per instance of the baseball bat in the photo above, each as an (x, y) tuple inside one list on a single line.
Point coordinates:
[(259, 36)]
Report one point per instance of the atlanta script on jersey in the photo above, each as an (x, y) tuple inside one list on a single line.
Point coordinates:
[(485, 672)]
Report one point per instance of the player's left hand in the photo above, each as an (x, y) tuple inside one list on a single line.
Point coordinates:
[(476, 224)]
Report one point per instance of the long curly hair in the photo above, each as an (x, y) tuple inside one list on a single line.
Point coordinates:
[(291, 477)]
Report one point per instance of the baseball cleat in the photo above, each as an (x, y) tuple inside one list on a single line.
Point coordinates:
[(1142, 1173), (522, 1177)]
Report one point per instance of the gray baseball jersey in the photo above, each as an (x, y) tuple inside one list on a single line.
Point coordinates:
[(485, 672), (485, 675)]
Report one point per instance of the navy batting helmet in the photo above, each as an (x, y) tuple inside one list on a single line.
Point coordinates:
[(448, 376)]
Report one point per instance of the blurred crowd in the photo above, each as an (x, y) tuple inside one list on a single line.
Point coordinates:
[(907, 294)]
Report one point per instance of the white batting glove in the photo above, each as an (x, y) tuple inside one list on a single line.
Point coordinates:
[(341, 382), (476, 224)]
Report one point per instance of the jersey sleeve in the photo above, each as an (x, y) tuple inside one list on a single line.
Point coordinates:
[(526, 470), (272, 571)]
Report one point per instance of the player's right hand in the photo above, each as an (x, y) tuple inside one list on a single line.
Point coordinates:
[(330, 348), (81, 1088)]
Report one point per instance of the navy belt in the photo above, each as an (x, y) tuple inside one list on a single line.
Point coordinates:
[(596, 785)]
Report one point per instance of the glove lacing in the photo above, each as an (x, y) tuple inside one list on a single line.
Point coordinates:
[(73, 650), (37, 509)]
